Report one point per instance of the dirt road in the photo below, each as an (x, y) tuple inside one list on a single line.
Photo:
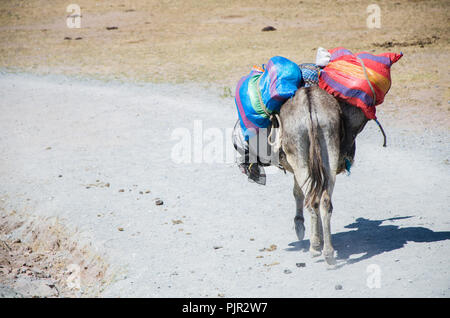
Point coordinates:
[(97, 155)]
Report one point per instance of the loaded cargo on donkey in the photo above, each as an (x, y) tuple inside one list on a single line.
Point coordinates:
[(362, 80)]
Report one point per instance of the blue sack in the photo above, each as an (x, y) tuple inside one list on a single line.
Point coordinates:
[(264, 91), (279, 82)]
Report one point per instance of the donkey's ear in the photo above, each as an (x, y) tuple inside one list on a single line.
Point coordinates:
[(353, 122), (354, 118)]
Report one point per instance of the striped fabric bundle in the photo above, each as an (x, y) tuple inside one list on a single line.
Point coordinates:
[(361, 79), (263, 92)]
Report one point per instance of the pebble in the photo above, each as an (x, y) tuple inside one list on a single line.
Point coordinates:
[(338, 287), (287, 271), (159, 202), (272, 248), (300, 264), (268, 28)]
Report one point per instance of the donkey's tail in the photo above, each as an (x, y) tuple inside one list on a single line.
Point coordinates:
[(317, 174)]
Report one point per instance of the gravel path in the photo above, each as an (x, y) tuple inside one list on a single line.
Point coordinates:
[(98, 155)]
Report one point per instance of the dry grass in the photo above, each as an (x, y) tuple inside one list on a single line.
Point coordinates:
[(218, 41), (42, 250)]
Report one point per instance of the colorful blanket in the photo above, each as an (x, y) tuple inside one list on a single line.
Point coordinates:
[(360, 79)]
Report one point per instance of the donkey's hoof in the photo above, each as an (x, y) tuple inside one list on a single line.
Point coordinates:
[(329, 258), (314, 252), (300, 230)]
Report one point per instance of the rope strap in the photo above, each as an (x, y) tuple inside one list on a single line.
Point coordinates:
[(263, 106), (382, 131), (367, 79), (276, 143)]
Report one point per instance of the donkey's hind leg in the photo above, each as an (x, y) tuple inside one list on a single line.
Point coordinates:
[(299, 220), (326, 208), (315, 248), (297, 165), (300, 170)]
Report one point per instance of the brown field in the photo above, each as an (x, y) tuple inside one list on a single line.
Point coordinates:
[(218, 41)]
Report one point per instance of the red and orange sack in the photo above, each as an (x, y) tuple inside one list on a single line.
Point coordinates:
[(360, 79)]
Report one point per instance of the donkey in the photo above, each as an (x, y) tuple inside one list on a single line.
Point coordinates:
[(317, 141)]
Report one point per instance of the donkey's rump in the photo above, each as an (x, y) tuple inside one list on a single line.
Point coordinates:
[(311, 139)]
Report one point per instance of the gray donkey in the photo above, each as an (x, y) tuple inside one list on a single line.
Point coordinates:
[(317, 141)]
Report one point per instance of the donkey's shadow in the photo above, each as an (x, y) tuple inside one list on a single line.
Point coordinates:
[(372, 238)]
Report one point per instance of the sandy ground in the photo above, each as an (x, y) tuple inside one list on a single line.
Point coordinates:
[(97, 155)]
